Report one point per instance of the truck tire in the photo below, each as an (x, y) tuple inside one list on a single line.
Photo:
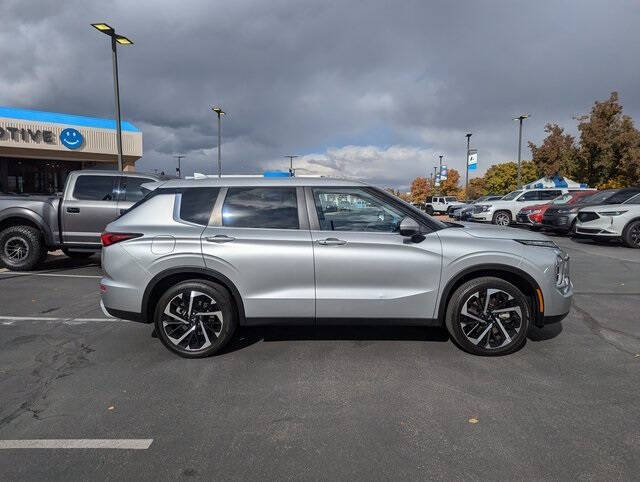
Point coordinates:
[(21, 248), (429, 210)]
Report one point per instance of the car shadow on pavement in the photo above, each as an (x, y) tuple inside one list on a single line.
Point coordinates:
[(248, 335), (546, 333)]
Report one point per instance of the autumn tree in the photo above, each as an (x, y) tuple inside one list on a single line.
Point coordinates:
[(420, 190), (449, 187), (557, 155), (397, 193), (609, 145), (477, 187), (503, 178)]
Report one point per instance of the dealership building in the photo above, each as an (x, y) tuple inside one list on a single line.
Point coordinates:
[(38, 149)]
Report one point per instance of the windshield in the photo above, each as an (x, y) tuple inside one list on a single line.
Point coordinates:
[(564, 199), (597, 198), (511, 196)]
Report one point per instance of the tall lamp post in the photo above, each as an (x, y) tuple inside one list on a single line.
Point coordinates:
[(291, 158), (122, 40), (220, 112), (466, 182), (520, 118), (178, 169)]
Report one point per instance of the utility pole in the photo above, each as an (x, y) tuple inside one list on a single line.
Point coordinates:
[(220, 112), (466, 182), (520, 118), (291, 158), (178, 169)]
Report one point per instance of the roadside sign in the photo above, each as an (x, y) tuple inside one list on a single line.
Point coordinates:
[(472, 162)]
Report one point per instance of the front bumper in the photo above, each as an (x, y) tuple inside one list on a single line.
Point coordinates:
[(558, 222), (486, 216), (601, 227), (523, 219)]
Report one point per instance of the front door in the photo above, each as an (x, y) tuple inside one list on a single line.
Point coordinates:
[(89, 208), (364, 267), (261, 242)]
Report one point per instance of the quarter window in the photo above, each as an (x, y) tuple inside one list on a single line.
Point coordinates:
[(131, 188), (196, 204), (94, 188), (261, 207), (354, 209)]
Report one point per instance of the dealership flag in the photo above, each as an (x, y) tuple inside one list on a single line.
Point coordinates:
[(473, 160), (443, 172), (437, 180)]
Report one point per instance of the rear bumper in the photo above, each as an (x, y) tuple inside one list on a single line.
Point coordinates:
[(124, 315)]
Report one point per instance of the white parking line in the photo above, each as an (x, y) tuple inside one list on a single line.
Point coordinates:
[(10, 320), (82, 443), (30, 273)]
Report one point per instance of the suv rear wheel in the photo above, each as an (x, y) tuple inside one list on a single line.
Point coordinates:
[(488, 316), (502, 218), (631, 234), (195, 318)]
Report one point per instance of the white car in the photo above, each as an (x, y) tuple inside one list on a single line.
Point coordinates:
[(611, 221), (441, 204), (503, 212)]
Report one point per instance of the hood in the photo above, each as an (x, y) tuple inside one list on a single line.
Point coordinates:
[(500, 232), (538, 206)]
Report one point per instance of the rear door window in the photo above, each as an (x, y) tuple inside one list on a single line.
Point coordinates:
[(530, 196), (549, 195), (197, 203), (95, 188), (131, 188), (261, 207)]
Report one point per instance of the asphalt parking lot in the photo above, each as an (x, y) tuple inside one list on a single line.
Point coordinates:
[(330, 403)]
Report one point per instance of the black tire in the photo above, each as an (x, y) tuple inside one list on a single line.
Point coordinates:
[(488, 333), (501, 218), (78, 254), (21, 248), (535, 228), (572, 229), (429, 210), (217, 331), (631, 234)]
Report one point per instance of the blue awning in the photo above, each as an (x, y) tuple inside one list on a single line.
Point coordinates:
[(67, 119)]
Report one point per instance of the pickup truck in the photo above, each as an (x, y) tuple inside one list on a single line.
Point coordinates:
[(33, 225), (441, 204)]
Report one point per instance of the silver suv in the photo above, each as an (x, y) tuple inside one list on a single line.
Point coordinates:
[(200, 257)]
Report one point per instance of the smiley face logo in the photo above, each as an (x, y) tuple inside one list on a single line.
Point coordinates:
[(71, 138)]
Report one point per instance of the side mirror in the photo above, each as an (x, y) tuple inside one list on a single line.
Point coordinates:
[(409, 227)]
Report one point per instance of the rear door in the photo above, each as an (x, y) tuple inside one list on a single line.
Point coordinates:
[(88, 207), (130, 191), (259, 238), (364, 268)]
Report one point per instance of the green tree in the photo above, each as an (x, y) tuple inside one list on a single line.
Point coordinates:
[(609, 145), (477, 187), (503, 178), (557, 154)]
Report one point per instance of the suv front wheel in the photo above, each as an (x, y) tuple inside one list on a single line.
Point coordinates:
[(195, 318), (502, 218), (488, 316)]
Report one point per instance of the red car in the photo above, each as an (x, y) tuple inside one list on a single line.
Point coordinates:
[(532, 215)]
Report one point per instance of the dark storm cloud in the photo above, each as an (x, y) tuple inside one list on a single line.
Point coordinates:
[(355, 86)]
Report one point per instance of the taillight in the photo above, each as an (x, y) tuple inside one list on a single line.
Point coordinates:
[(112, 238)]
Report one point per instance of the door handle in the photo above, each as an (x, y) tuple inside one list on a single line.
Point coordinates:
[(332, 242), (73, 210), (219, 238)]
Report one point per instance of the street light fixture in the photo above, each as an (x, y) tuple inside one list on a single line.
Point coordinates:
[(122, 40), (291, 158), (520, 118), (220, 112)]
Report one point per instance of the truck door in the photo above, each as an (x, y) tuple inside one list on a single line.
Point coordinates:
[(89, 205)]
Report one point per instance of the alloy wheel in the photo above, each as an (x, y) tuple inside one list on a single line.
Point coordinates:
[(502, 219), (491, 318), (634, 234), (16, 249), (192, 320)]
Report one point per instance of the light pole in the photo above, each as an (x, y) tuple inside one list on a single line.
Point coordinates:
[(178, 170), (520, 118), (466, 182), (220, 112), (122, 40), (291, 158)]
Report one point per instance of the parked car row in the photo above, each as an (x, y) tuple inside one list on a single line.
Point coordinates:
[(608, 214)]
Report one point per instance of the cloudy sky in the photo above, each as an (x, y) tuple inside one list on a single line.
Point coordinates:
[(373, 89)]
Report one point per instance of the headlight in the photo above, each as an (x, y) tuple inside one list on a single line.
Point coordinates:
[(484, 207), (611, 213), (562, 270), (568, 211), (538, 242)]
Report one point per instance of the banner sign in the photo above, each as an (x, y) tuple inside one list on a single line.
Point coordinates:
[(472, 162), (443, 172), (437, 184)]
